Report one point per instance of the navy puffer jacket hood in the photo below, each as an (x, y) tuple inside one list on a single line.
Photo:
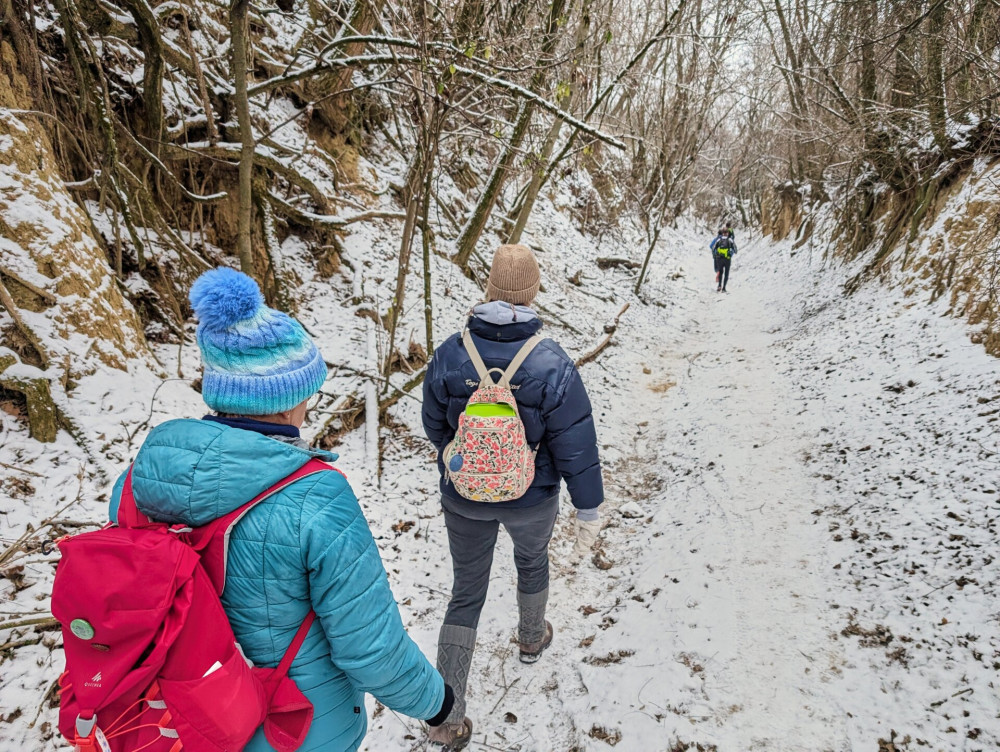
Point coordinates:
[(551, 398)]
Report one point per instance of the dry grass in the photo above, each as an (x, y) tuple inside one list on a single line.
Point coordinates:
[(662, 387)]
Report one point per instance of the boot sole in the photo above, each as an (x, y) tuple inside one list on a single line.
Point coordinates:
[(532, 657)]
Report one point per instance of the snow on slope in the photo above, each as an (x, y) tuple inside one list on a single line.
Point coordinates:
[(811, 565)]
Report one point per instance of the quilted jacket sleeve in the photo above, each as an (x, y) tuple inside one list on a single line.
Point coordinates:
[(572, 439), (350, 594), (434, 412)]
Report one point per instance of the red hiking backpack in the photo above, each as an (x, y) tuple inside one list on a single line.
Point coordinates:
[(152, 664)]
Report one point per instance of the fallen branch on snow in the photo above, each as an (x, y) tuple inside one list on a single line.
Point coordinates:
[(43, 294), (311, 219), (17, 546), (44, 621), (24, 470), (609, 332), (550, 314)]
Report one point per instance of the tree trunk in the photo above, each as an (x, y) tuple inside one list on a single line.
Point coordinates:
[(905, 77), (538, 174), (645, 261), (796, 95), (418, 180), (239, 29), (535, 186), (868, 21), (477, 221), (936, 95), (326, 91), (473, 229), (426, 243), (152, 70)]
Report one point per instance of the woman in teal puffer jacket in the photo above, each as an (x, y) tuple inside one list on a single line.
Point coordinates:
[(307, 546)]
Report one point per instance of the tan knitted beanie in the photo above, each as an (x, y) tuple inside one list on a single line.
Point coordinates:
[(514, 276)]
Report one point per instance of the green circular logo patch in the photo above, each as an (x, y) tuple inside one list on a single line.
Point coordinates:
[(82, 629)]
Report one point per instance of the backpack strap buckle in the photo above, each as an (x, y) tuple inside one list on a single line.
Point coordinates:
[(86, 736), (85, 726)]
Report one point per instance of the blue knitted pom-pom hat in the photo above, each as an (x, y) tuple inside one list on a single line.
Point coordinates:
[(258, 361)]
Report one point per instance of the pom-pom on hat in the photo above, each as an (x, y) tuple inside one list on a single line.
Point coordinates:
[(514, 276), (258, 361)]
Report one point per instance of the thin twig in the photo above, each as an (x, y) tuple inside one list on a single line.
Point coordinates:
[(15, 644), (505, 691), (28, 534), (46, 621), (46, 698), (17, 469)]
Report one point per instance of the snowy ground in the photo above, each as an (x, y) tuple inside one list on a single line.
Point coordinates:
[(799, 504), (811, 562)]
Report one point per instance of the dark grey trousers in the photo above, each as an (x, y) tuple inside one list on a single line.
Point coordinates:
[(472, 536)]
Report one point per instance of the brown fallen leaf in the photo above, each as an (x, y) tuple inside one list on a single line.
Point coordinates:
[(601, 561)]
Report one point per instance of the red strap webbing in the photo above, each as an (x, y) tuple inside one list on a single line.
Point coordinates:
[(211, 541), (293, 650)]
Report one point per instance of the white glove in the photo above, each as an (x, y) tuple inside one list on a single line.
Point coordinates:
[(586, 535)]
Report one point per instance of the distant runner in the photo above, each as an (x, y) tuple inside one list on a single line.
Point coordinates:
[(723, 249)]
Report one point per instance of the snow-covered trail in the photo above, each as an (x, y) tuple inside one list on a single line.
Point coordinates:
[(713, 622), (800, 526), (727, 561), (798, 529), (741, 525)]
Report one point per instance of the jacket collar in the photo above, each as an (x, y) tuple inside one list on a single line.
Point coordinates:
[(257, 426), (513, 332)]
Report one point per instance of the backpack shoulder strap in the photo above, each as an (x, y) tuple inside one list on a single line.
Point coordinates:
[(128, 514), (272, 680), (522, 355), (477, 359), (212, 540), (516, 363)]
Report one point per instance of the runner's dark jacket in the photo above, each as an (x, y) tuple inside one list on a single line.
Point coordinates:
[(715, 242)]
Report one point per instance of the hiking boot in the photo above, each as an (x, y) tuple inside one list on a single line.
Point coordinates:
[(532, 651), (450, 737)]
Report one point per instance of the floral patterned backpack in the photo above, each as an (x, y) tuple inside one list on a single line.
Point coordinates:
[(490, 459)]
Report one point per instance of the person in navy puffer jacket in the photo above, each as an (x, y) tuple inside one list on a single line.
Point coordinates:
[(556, 414), (308, 546)]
